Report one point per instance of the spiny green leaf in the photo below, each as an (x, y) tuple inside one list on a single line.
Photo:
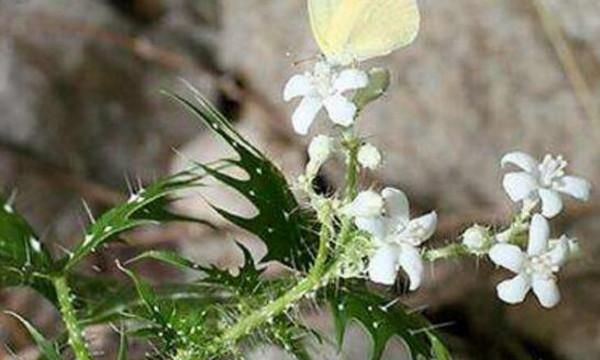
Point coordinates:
[(285, 228), (22, 255), (46, 347), (439, 350), (144, 208), (382, 320), (248, 278), (102, 300), (155, 313)]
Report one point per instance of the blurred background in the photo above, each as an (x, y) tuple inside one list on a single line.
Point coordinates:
[(82, 118)]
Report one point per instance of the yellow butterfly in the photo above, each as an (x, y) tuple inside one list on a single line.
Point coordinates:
[(358, 30)]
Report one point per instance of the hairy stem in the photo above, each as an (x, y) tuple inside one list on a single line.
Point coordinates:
[(320, 274), (316, 278), (351, 145), (446, 252), (74, 330)]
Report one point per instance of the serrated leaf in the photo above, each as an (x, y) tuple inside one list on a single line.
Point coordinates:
[(155, 313), (439, 350), (146, 207), (248, 278), (380, 320), (22, 255), (103, 300), (46, 347), (280, 222)]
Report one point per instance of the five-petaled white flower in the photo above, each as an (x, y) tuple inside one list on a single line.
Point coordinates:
[(543, 181), (535, 268), (324, 87), (396, 237)]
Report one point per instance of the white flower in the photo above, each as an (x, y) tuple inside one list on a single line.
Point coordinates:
[(324, 87), (369, 157), (476, 239), (319, 151), (396, 237), (543, 181), (535, 268)]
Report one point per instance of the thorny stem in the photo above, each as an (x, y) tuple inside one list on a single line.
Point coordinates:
[(74, 330), (446, 252), (316, 278), (351, 145), (320, 274)]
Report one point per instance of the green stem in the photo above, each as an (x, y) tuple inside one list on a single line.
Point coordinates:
[(446, 252), (74, 330), (316, 278), (351, 144)]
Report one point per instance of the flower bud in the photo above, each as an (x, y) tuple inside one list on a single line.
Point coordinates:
[(476, 239), (319, 150), (369, 157)]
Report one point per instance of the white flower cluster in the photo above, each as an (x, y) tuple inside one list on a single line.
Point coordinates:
[(538, 183), (395, 239)]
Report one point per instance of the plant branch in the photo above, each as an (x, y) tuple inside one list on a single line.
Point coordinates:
[(316, 278)]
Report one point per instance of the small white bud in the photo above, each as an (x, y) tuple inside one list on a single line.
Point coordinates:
[(366, 204), (319, 151), (369, 157), (320, 148), (503, 237), (476, 239)]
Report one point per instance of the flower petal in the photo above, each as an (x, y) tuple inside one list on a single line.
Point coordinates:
[(366, 204), (575, 186), (383, 266), (546, 290), (514, 290), (560, 251), (520, 159), (376, 226), (411, 262), (551, 202), (298, 85), (341, 111), (351, 79), (396, 205), (539, 232), (426, 225), (305, 114), (519, 185), (508, 256)]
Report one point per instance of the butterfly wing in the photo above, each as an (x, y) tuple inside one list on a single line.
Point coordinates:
[(321, 13), (349, 30), (383, 26)]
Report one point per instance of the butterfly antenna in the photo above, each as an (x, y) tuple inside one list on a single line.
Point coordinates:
[(305, 60)]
